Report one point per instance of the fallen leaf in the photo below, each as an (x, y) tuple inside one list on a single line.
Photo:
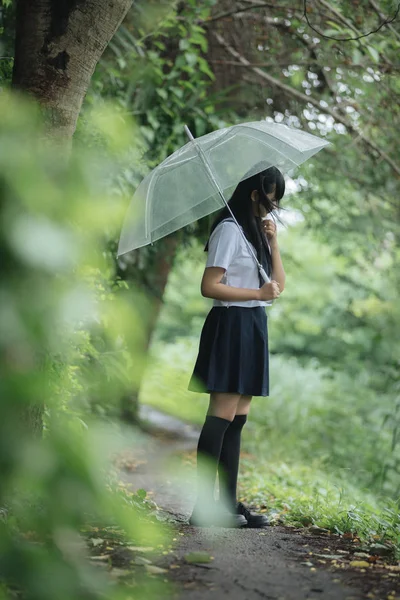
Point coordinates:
[(359, 563), (316, 529), (96, 542), (197, 557), (373, 559), (155, 570), (140, 548), (140, 560), (120, 572)]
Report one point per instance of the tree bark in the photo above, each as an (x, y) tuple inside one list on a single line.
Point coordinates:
[(58, 45)]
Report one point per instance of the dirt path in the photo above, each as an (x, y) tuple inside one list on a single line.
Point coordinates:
[(276, 563)]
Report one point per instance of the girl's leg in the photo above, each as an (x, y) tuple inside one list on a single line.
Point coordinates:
[(223, 405), (228, 466), (243, 407), (221, 412)]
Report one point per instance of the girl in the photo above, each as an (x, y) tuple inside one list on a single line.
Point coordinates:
[(232, 364)]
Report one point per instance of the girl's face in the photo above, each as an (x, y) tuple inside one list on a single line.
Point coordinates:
[(263, 211)]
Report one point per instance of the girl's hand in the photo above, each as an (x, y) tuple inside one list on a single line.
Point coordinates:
[(269, 291), (269, 228)]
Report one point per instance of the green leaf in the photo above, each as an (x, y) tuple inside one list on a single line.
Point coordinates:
[(198, 557), (204, 68), (331, 32), (198, 29), (177, 91), (297, 78), (162, 93), (200, 40), (159, 45), (191, 58), (357, 56), (374, 53), (200, 126), (335, 26), (153, 121), (184, 44)]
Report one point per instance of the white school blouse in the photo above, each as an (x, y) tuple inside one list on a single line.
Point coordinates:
[(227, 249)]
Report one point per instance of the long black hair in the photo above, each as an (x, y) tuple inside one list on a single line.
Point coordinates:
[(241, 206)]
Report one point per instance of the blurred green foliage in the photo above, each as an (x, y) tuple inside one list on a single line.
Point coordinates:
[(68, 343)]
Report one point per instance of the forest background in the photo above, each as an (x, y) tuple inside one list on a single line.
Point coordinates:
[(87, 338)]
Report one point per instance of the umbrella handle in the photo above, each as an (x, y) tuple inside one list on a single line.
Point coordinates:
[(264, 275), (266, 280)]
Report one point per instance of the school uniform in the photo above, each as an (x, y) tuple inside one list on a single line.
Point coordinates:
[(233, 350)]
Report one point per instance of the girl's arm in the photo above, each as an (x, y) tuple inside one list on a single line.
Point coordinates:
[(278, 273), (211, 287)]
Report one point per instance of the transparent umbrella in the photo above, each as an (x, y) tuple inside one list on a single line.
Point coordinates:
[(197, 179)]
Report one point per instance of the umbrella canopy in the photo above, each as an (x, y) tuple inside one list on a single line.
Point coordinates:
[(195, 180)]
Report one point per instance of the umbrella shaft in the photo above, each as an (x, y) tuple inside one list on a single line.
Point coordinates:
[(221, 193)]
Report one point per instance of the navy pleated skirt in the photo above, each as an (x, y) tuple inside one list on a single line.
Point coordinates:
[(233, 352)]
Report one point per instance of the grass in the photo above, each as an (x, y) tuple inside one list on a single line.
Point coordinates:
[(303, 495)]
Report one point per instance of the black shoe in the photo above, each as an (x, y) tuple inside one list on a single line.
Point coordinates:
[(216, 517), (253, 519)]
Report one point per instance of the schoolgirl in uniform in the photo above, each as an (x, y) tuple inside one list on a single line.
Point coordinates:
[(233, 363)]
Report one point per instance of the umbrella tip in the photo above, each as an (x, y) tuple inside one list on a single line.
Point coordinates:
[(188, 132)]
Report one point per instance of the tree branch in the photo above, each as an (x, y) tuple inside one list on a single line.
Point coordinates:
[(350, 25), (380, 14), (306, 99), (358, 37), (341, 19), (305, 63), (242, 10)]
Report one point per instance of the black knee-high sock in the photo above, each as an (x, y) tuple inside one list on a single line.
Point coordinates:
[(208, 451), (228, 466)]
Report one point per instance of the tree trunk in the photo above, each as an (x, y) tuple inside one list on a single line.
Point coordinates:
[(163, 260), (58, 45)]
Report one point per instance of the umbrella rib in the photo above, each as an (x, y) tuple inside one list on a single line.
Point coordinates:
[(279, 152), (291, 144)]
